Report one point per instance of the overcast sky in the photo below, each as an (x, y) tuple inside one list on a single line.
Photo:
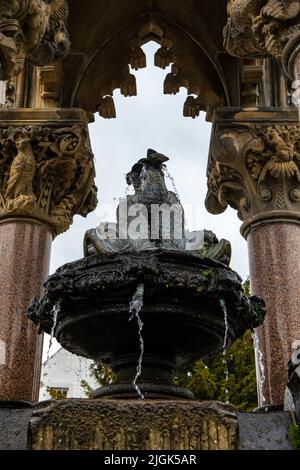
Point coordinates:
[(151, 120)]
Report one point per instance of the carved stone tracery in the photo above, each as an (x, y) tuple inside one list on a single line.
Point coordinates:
[(189, 69), (255, 169), (46, 173)]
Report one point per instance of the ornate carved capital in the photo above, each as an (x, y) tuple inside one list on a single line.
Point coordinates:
[(46, 167), (261, 27), (254, 166), (34, 30)]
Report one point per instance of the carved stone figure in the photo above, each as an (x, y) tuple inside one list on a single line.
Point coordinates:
[(148, 179), (215, 249), (31, 29), (19, 188), (46, 173), (260, 27), (255, 169)]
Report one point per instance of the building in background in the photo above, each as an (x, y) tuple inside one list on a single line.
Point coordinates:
[(62, 375)]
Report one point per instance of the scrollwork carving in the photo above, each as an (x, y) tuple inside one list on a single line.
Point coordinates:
[(260, 27), (255, 169)]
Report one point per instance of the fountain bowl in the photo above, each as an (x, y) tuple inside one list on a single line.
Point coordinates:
[(185, 300)]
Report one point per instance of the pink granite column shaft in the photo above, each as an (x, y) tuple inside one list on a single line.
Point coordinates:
[(24, 265), (274, 254)]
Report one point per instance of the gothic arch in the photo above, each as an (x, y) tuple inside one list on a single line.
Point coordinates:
[(102, 64)]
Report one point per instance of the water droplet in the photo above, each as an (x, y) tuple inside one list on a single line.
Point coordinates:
[(225, 343), (135, 308), (55, 312), (169, 177), (261, 368)]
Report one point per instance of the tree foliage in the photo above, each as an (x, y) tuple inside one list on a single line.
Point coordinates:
[(295, 435), (103, 375), (208, 379)]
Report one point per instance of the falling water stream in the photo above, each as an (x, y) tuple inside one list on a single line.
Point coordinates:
[(169, 177), (135, 308), (226, 371), (55, 312), (261, 368)]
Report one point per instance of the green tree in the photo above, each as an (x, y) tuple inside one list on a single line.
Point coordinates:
[(208, 379), (229, 376), (103, 375)]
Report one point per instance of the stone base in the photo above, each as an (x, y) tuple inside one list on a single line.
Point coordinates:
[(133, 425), (140, 425)]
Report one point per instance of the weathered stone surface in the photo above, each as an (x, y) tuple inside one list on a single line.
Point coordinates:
[(14, 427), (34, 30), (140, 425), (133, 425), (267, 431), (257, 27), (254, 166), (46, 166)]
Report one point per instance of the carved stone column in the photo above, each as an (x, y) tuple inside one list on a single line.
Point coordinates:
[(254, 167), (46, 177)]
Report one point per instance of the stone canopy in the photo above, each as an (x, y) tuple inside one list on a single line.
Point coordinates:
[(106, 38)]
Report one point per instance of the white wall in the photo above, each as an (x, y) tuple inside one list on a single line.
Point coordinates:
[(65, 370)]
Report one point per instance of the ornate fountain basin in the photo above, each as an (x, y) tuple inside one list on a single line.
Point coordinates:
[(183, 313)]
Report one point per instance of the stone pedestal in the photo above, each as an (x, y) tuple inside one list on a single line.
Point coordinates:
[(133, 425), (46, 177), (254, 167), (24, 259)]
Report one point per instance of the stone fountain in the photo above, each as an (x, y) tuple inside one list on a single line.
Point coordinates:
[(147, 300)]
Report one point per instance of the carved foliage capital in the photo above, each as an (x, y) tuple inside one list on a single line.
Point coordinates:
[(255, 169), (34, 30), (260, 27), (47, 174)]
